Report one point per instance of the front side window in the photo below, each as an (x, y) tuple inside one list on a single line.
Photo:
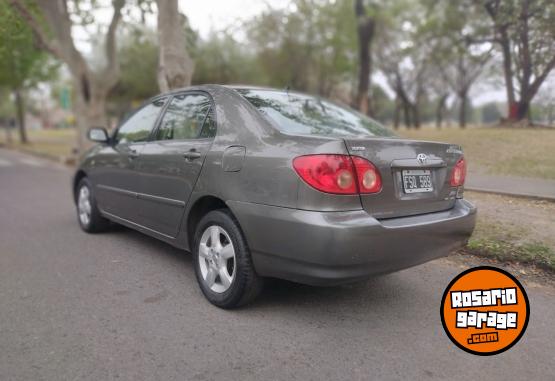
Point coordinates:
[(185, 117), (302, 114), (138, 127)]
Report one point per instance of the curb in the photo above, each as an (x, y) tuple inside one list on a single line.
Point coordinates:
[(64, 160), (518, 195)]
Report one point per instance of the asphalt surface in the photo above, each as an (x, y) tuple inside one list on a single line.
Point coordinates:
[(121, 305)]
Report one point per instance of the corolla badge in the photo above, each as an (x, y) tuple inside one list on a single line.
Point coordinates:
[(422, 158)]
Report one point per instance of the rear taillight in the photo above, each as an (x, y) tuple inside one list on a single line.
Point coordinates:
[(458, 174), (338, 174), (369, 179)]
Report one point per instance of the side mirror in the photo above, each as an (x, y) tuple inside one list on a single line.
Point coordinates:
[(98, 134)]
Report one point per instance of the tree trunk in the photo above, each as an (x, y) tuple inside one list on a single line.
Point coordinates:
[(440, 110), (90, 111), (508, 75), (523, 110), (396, 113), (52, 32), (406, 114), (463, 97), (365, 30), (20, 110), (8, 133), (415, 115), (175, 66)]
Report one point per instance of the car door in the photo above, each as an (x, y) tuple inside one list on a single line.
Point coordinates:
[(171, 162), (117, 181)]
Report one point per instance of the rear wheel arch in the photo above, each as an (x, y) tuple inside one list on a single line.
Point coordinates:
[(200, 208)]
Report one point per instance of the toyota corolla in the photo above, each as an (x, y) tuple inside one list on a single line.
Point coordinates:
[(260, 183)]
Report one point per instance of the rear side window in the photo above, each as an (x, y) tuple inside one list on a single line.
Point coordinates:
[(302, 114), (209, 127), (185, 117), (139, 125)]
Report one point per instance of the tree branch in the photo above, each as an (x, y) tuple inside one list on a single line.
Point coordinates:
[(535, 86), (111, 48), (39, 33)]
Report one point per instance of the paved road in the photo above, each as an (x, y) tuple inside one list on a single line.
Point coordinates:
[(124, 306), (512, 185)]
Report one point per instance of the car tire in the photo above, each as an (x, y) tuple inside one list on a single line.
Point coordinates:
[(223, 266), (88, 215)]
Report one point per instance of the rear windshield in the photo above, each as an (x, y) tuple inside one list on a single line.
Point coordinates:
[(295, 113)]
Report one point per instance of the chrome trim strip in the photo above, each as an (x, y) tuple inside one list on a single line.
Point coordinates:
[(144, 196), (162, 200), (117, 190)]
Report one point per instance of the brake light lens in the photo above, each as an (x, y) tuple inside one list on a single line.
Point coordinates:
[(327, 173), (338, 174), (369, 179), (458, 174)]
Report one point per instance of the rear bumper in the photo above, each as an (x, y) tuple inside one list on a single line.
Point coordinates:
[(326, 248)]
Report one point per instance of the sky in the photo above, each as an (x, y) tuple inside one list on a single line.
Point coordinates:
[(205, 15)]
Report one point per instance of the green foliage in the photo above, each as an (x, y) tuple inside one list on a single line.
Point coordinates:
[(490, 113), (384, 107), (138, 55), (22, 63), (310, 46), (7, 108), (221, 59)]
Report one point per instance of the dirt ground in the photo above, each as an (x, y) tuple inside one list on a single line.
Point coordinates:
[(512, 222), (517, 219)]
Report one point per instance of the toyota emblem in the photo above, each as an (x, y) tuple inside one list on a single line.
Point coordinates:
[(422, 158)]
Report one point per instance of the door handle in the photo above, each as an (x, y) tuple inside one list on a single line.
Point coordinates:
[(133, 154), (191, 155)]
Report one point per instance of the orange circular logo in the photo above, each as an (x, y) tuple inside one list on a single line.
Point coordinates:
[(485, 310)]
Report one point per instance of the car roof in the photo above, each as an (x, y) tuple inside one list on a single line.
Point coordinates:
[(210, 86), (213, 88)]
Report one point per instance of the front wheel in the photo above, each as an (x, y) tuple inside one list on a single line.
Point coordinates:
[(88, 214), (223, 264)]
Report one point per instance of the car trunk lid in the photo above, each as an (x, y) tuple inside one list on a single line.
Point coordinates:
[(398, 159)]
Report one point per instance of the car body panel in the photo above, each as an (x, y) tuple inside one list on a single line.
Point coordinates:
[(117, 179), (287, 223), (167, 181), (391, 157), (327, 248)]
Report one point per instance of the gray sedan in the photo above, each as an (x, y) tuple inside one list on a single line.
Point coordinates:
[(263, 183)]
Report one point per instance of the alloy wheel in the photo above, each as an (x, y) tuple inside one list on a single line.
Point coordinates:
[(84, 205), (217, 259)]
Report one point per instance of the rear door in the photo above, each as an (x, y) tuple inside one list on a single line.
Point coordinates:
[(171, 162), (415, 175), (117, 181)]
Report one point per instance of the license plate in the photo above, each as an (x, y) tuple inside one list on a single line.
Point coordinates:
[(417, 181)]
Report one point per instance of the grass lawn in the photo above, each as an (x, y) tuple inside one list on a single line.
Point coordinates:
[(53, 143), (499, 151), (514, 229)]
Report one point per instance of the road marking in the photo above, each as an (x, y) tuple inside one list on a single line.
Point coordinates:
[(31, 162), (5, 163)]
